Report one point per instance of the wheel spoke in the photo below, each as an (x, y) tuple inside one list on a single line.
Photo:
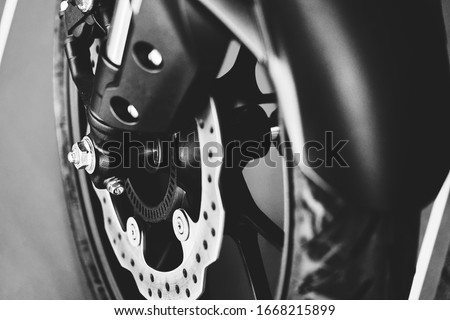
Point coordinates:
[(239, 202), (267, 98), (266, 227), (247, 241), (238, 87), (240, 18)]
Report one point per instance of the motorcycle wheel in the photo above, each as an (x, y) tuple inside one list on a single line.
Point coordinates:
[(331, 249)]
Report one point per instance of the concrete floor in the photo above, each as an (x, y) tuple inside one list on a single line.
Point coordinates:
[(37, 255)]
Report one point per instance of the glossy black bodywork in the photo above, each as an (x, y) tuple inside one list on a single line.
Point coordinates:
[(192, 48)]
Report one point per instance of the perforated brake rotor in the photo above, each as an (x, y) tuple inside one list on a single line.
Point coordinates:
[(204, 239)]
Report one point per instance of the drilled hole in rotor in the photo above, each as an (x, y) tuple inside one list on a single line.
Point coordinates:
[(141, 277), (123, 255), (132, 262), (114, 240), (109, 220), (184, 273), (167, 286), (209, 178), (194, 278), (177, 289), (148, 57), (211, 130), (124, 111), (150, 293), (205, 215), (104, 200), (188, 293), (205, 245), (159, 293), (213, 206), (119, 236), (201, 123), (152, 278), (197, 257), (213, 232)]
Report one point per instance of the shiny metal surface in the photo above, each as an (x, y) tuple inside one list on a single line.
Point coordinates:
[(200, 249), (85, 5), (119, 31), (115, 186), (82, 155)]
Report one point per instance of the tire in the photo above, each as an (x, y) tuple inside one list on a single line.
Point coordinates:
[(332, 249), (94, 253)]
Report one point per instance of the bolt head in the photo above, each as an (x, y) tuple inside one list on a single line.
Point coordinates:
[(119, 190), (180, 223), (73, 157), (155, 57), (133, 232), (115, 186), (83, 155), (133, 111), (63, 6), (274, 133)]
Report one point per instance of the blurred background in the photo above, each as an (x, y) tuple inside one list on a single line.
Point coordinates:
[(38, 259)]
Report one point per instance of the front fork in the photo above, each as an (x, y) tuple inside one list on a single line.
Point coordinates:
[(150, 74)]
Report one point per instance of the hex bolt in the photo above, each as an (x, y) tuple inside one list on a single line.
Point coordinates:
[(82, 155), (155, 57), (114, 186), (133, 232), (180, 225), (73, 158)]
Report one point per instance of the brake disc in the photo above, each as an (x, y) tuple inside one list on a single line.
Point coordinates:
[(201, 241)]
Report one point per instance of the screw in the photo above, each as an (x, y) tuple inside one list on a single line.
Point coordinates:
[(133, 232), (274, 133), (155, 57), (133, 111), (64, 5), (114, 186), (180, 225), (82, 155), (73, 158)]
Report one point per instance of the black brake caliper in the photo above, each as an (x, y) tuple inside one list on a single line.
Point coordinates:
[(81, 29)]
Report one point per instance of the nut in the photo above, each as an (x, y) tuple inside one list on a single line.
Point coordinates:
[(114, 186), (83, 155)]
